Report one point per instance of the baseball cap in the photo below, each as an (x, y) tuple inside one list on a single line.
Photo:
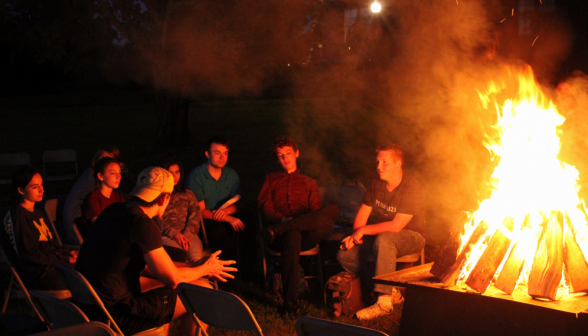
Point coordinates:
[(151, 182)]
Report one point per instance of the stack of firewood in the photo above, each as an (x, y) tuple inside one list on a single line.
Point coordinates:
[(553, 253)]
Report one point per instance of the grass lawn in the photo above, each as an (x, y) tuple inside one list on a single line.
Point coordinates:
[(127, 120)]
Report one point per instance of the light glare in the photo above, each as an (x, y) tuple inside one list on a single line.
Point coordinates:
[(376, 7)]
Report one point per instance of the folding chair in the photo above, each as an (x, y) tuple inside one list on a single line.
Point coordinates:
[(57, 313), (84, 293), (92, 328), (310, 326), (51, 207), (60, 161), (10, 162), (217, 308), (16, 288), (313, 252)]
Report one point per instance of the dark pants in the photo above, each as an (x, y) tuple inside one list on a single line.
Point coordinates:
[(306, 232)]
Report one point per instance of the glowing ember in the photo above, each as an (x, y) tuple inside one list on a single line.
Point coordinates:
[(529, 182)]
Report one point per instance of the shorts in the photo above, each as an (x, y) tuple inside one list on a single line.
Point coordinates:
[(144, 311)]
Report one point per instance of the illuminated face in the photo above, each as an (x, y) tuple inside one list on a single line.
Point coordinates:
[(33, 192), (388, 165), (287, 158), (111, 176), (218, 155), (175, 171)]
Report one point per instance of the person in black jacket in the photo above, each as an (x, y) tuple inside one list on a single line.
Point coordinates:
[(27, 239)]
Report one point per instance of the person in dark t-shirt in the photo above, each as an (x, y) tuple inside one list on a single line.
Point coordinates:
[(125, 243), (390, 223), (27, 239)]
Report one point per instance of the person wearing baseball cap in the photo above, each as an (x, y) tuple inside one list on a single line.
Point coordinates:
[(123, 240)]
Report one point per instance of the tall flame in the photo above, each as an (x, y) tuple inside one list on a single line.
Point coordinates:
[(529, 180)]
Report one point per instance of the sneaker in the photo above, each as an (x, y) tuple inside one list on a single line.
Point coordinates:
[(374, 311), (397, 297)]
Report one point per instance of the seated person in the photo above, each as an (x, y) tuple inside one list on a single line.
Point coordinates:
[(72, 209), (289, 203), (124, 243), (107, 177), (214, 184), (388, 224), (181, 220), (26, 236)]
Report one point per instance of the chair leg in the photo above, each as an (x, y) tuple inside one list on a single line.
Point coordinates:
[(7, 294)]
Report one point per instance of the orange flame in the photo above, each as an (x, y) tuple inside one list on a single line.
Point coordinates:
[(529, 181)]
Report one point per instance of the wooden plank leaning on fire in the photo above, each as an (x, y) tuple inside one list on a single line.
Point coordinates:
[(548, 262), (483, 273), (449, 276), (575, 262), (448, 253), (511, 271)]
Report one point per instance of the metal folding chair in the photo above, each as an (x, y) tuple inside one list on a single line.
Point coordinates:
[(57, 313), (217, 308), (314, 252), (17, 290), (86, 329), (83, 292), (311, 326), (9, 162), (63, 157)]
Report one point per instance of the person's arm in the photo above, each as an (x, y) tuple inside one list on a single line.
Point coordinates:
[(28, 237), (265, 203), (360, 221), (164, 269)]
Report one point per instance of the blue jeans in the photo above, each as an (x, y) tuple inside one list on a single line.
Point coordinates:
[(385, 247), (194, 252)]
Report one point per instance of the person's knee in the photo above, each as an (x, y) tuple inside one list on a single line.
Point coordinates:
[(332, 211), (385, 240)]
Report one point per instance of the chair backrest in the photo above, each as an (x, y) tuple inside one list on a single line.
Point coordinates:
[(57, 313), (311, 326), (92, 328), (217, 308), (11, 160), (51, 211), (60, 156), (83, 292)]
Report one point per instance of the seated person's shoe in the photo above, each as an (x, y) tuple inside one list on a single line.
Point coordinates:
[(374, 311), (268, 235)]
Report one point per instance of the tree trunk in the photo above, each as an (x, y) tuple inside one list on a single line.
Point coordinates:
[(172, 117)]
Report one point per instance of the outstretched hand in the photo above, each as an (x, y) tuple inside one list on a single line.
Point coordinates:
[(218, 268)]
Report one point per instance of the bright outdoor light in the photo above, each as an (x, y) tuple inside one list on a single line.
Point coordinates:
[(376, 7)]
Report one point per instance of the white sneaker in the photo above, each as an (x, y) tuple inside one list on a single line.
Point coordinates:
[(396, 296), (371, 312)]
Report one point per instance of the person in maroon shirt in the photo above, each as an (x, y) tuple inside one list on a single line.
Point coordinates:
[(290, 206)]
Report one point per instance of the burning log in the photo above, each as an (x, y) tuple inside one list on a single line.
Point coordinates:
[(576, 266), (486, 267), (449, 277), (511, 271), (548, 262), (448, 253)]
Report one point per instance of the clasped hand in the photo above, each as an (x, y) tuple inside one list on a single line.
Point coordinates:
[(354, 239)]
